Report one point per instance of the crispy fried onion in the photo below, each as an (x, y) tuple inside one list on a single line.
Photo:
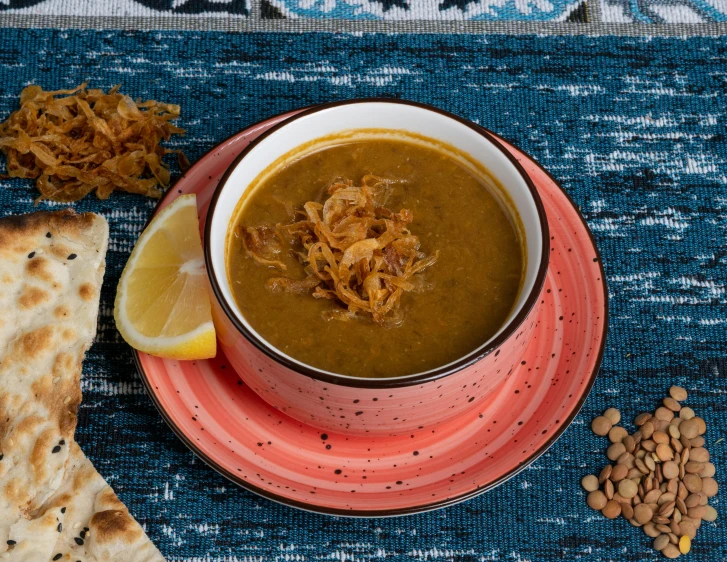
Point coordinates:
[(355, 251), (77, 141)]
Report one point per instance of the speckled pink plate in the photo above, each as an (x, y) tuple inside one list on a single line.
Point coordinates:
[(257, 447)]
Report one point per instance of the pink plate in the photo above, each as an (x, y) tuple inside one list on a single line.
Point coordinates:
[(268, 453)]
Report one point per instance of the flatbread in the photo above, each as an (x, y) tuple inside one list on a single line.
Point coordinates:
[(51, 270), (96, 526)]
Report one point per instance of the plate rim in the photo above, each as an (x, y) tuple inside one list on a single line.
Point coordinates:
[(421, 508)]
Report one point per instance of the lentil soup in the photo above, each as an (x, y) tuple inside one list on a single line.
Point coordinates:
[(462, 230)]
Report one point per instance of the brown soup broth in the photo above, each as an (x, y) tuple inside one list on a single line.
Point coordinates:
[(471, 289)]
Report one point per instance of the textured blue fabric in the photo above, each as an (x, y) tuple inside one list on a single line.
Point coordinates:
[(635, 131)]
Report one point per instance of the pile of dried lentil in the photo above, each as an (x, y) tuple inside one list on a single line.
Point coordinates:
[(661, 479)]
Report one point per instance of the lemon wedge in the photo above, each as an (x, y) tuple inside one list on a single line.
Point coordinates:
[(162, 303)]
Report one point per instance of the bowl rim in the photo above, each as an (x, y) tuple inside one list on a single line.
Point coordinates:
[(393, 382)]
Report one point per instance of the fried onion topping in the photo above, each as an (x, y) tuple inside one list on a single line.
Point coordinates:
[(73, 142), (355, 251)]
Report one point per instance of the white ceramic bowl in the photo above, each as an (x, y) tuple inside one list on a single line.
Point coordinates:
[(342, 118)]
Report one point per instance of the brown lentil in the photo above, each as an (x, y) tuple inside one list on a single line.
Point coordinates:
[(615, 451), (634, 473), (664, 452), (710, 514), (660, 437), (667, 509), (602, 425), (641, 419), (596, 500), (626, 459), (709, 487), (627, 488), (693, 483), (660, 542), (647, 430), (589, 483), (670, 470), (684, 441), (613, 415), (643, 513), (673, 486), (651, 530), (692, 500), (663, 414), (650, 464), (670, 551), (689, 428), (701, 424), (611, 510), (666, 497), (672, 404), (686, 413), (617, 434), (680, 505), (678, 393), (699, 454), (608, 489), (619, 472), (605, 473), (628, 512)]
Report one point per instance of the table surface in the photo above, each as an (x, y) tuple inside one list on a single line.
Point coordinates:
[(634, 129)]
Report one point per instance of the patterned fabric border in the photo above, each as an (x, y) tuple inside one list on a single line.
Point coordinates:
[(663, 11), (127, 8), (435, 10), (276, 23), (243, 15)]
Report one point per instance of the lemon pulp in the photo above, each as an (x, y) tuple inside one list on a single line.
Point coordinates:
[(162, 302)]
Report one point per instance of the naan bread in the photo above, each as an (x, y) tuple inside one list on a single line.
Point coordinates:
[(51, 270)]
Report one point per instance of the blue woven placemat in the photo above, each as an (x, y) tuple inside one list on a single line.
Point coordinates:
[(633, 128)]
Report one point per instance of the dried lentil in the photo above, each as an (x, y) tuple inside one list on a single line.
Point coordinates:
[(613, 415), (589, 483), (662, 478)]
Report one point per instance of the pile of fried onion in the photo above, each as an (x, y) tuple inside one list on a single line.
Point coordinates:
[(76, 141), (355, 251)]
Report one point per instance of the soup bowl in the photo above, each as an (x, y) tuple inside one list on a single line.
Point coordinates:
[(333, 402)]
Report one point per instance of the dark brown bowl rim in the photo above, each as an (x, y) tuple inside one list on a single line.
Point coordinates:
[(400, 382), (415, 509)]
